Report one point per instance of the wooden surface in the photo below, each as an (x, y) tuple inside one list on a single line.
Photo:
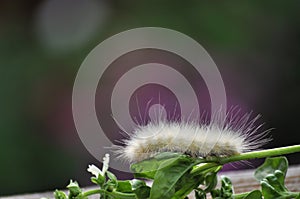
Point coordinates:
[(242, 180)]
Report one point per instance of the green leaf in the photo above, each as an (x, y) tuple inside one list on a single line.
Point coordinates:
[(191, 181), (112, 183), (271, 176), (268, 191), (216, 193), (256, 194), (99, 181), (211, 181), (111, 176), (74, 189), (135, 183), (186, 184), (276, 181), (200, 194), (168, 174), (140, 188), (226, 191), (270, 166), (226, 187), (124, 186), (147, 168), (272, 188), (142, 192), (59, 195)]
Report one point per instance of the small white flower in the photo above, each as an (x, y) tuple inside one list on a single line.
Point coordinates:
[(94, 170), (105, 163)]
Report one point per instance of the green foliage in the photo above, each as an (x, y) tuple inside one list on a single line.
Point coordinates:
[(271, 176), (147, 168), (270, 166), (74, 190), (60, 195), (175, 176), (226, 190), (170, 173), (256, 194), (140, 188)]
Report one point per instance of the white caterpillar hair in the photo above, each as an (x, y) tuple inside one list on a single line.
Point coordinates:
[(237, 135)]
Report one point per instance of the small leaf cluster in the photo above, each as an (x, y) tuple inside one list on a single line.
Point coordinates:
[(109, 188), (175, 176), (271, 176), (74, 192)]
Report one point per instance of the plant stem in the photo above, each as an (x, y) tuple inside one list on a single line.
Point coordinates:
[(93, 192), (205, 166), (215, 161), (256, 154)]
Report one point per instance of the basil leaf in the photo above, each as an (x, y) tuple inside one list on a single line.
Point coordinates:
[(256, 194), (142, 192), (111, 176), (124, 186), (211, 181), (168, 174), (271, 176), (186, 184), (99, 181), (137, 183), (226, 187), (140, 188), (147, 168), (60, 195), (270, 166)]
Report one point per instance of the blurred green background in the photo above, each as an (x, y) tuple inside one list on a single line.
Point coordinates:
[(256, 45)]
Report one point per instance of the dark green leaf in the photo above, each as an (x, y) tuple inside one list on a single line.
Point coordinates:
[(190, 181), (142, 192), (140, 188), (216, 193), (186, 184), (168, 174)]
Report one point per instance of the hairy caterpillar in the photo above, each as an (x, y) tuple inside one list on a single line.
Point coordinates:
[(238, 135)]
